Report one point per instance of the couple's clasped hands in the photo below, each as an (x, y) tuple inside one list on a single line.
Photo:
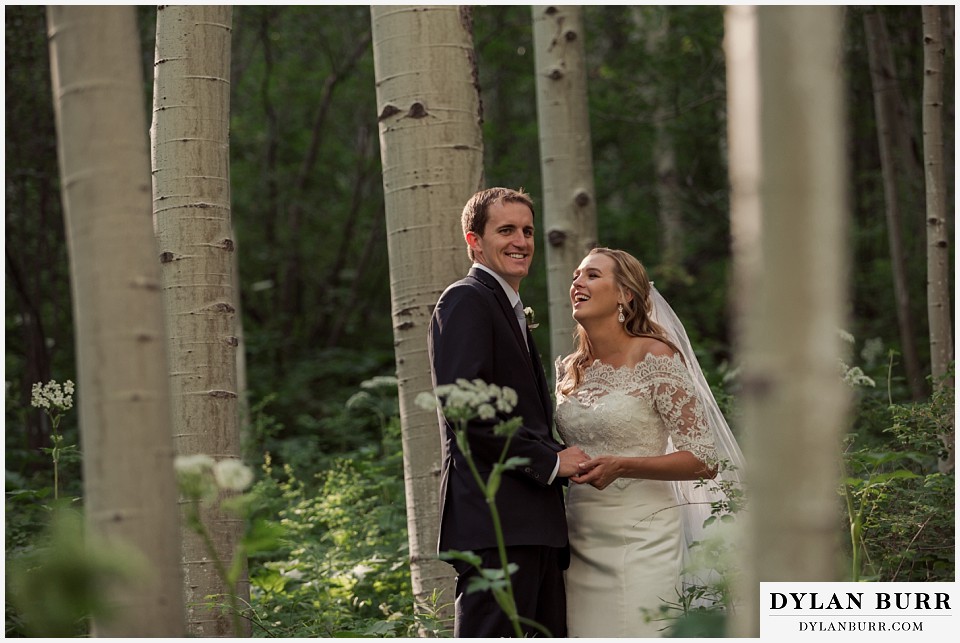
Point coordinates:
[(582, 469)]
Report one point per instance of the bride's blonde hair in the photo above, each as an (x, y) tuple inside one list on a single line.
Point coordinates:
[(629, 275)]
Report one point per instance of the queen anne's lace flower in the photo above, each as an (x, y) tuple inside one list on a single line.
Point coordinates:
[(426, 401), (232, 475), (854, 376), (193, 464), (873, 350), (52, 396), (202, 477), (380, 381), (476, 398)]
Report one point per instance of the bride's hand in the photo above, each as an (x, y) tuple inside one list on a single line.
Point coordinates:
[(599, 472)]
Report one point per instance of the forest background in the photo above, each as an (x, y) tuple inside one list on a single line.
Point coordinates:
[(308, 209)]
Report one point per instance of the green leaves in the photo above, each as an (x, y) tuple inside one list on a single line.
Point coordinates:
[(330, 556), (900, 509), (64, 580), (466, 556), (263, 536)]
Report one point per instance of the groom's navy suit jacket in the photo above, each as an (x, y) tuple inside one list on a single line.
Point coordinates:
[(474, 333)]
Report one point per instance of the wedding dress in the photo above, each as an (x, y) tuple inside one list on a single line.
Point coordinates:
[(628, 541)]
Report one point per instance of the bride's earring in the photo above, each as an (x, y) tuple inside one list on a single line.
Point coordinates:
[(620, 317)]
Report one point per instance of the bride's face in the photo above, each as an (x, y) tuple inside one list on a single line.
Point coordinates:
[(594, 292)]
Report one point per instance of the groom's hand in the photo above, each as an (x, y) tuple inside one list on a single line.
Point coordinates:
[(570, 459)]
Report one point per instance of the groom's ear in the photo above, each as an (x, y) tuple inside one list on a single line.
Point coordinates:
[(472, 239)]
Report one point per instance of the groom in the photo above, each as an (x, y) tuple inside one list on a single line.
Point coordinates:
[(478, 331)]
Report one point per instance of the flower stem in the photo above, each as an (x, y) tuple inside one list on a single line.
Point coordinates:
[(497, 529), (197, 525)]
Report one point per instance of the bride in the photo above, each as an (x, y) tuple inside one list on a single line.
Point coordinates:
[(632, 396)]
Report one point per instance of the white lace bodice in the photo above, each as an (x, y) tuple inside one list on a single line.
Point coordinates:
[(633, 411)]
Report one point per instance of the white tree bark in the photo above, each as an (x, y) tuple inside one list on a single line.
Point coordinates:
[(793, 400), (566, 160), (741, 51), (129, 487), (191, 208), (938, 244), (431, 148), (740, 43)]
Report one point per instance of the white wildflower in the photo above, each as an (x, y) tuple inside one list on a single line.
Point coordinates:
[(872, 350), (360, 570), (38, 399), (473, 398), (232, 475), (294, 574), (380, 381), (52, 394), (426, 401), (444, 389), (846, 336), (854, 376), (193, 464), (459, 398), (359, 399), (509, 396), (195, 476)]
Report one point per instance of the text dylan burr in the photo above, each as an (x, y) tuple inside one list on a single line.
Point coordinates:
[(854, 600)]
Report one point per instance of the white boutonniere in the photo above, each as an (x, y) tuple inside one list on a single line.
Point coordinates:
[(529, 315)]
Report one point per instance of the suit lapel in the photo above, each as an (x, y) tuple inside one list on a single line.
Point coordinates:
[(533, 354), (490, 282)]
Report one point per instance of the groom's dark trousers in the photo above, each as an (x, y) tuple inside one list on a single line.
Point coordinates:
[(537, 588)]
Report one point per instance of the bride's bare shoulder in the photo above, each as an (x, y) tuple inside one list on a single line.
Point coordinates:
[(641, 347)]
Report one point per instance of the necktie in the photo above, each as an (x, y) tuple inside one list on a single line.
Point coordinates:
[(518, 310)]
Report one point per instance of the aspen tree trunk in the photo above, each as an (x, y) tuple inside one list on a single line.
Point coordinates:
[(938, 249), (743, 135), (191, 208), (243, 392), (566, 161), (885, 104), (741, 52), (793, 400), (669, 205), (130, 493), (431, 149)]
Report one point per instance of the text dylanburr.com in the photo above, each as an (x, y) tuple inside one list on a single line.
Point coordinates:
[(850, 610)]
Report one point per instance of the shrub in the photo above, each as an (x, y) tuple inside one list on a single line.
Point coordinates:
[(343, 567), (901, 507)]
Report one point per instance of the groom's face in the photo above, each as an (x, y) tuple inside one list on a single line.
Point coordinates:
[(506, 246)]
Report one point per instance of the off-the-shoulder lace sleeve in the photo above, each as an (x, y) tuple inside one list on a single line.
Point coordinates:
[(682, 412)]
